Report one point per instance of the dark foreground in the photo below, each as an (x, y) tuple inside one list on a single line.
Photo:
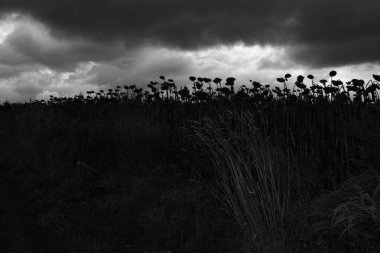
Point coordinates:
[(206, 177)]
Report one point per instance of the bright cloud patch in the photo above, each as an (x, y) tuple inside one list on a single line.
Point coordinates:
[(7, 25), (44, 82)]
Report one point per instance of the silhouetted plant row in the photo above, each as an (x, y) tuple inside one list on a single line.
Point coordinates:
[(205, 89)]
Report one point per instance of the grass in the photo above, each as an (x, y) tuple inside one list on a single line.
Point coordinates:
[(256, 170), (103, 180), (349, 214), (254, 182)]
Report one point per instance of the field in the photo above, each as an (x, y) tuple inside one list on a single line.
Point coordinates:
[(207, 169)]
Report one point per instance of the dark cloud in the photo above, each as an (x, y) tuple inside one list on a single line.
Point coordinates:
[(320, 32), (186, 24), (27, 91), (9, 71), (337, 32), (339, 53), (30, 44), (10, 57)]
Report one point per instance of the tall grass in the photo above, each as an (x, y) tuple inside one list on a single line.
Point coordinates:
[(254, 177)]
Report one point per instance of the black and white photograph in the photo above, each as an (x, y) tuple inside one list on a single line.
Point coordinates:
[(190, 126)]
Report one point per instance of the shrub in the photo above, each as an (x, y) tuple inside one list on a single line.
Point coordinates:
[(348, 218)]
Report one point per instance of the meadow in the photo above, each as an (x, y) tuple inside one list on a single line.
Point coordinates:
[(216, 167)]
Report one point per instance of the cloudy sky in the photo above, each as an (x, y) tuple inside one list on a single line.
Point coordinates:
[(63, 47)]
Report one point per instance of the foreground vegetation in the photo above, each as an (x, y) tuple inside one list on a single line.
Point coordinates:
[(208, 170)]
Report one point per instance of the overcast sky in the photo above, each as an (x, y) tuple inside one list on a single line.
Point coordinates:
[(63, 47)]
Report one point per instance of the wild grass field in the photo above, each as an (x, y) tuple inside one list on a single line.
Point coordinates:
[(213, 168)]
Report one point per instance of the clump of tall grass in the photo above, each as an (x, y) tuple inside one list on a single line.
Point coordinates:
[(349, 217), (253, 177)]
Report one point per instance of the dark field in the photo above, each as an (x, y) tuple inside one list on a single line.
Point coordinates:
[(208, 171)]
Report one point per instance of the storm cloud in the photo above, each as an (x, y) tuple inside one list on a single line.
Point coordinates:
[(319, 33), (30, 43), (62, 48)]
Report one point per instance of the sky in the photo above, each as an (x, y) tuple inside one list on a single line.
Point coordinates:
[(62, 48)]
